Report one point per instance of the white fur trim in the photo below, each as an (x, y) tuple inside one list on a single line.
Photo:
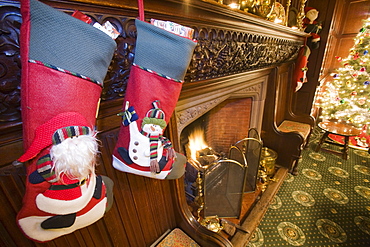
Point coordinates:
[(31, 226), (119, 165), (55, 206)]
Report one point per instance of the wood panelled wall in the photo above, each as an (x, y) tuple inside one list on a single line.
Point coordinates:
[(350, 20), (143, 208)]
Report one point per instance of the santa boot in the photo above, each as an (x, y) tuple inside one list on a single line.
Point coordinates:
[(160, 64), (64, 62)]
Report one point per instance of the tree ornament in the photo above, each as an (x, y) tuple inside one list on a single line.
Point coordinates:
[(362, 101), (366, 52), (335, 76), (338, 58), (356, 56), (342, 101), (362, 30), (354, 93), (363, 69)]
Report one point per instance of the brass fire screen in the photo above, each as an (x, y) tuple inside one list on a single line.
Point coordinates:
[(227, 181)]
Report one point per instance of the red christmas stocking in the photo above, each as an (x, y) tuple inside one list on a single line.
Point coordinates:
[(300, 70), (64, 62), (160, 64)]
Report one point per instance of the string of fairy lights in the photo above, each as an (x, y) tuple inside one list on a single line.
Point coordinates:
[(346, 97)]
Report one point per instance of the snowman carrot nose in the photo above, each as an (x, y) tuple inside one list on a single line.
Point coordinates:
[(152, 128)]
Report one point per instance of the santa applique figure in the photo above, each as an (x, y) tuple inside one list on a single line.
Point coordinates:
[(63, 192), (62, 80), (149, 153)]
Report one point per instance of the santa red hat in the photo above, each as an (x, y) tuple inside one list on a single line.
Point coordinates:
[(306, 9), (45, 132)]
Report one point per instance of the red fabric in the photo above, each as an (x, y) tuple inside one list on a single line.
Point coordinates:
[(43, 133), (29, 207), (32, 190), (141, 10), (143, 88), (47, 93), (302, 61), (364, 137), (66, 194)]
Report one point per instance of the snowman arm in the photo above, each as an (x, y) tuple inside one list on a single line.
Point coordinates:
[(129, 115), (170, 154)]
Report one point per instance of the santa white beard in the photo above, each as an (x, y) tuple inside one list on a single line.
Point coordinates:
[(75, 157)]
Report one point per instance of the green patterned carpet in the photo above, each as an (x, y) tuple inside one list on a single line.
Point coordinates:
[(327, 204)]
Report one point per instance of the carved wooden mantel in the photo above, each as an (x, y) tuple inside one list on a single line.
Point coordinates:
[(234, 56)]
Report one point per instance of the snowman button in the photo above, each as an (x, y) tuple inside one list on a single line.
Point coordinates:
[(134, 150), (136, 143), (135, 157)]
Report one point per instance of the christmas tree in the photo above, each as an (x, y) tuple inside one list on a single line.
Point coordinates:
[(346, 97)]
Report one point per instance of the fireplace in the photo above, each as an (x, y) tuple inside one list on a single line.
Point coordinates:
[(223, 116), (223, 163)]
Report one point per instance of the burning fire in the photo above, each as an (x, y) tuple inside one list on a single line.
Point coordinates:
[(196, 142)]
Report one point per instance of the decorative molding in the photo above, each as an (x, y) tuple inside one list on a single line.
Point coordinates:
[(222, 52), (190, 114)]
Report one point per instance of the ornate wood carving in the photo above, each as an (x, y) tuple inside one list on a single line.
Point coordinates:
[(10, 21), (222, 52)]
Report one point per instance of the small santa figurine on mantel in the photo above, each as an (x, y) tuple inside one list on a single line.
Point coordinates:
[(311, 26)]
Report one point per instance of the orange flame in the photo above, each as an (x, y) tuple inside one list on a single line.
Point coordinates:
[(196, 142)]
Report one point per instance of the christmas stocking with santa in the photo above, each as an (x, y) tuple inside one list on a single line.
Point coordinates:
[(64, 61), (161, 60), (300, 70)]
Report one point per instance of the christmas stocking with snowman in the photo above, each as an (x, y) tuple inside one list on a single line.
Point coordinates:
[(64, 61), (161, 60)]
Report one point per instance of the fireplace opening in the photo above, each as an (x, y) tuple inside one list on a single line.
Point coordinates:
[(223, 125), (215, 183)]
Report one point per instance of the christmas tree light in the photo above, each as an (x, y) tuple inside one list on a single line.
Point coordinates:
[(346, 97)]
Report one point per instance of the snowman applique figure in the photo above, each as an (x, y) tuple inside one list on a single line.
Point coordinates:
[(149, 153)]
